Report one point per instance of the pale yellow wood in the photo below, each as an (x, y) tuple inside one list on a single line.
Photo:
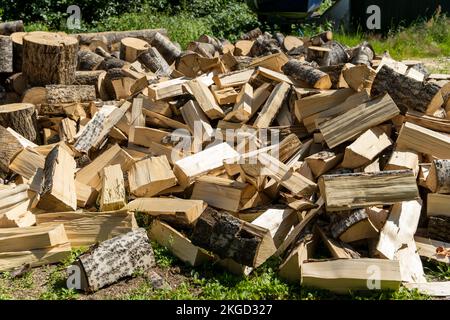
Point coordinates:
[(242, 110), (427, 248), (27, 162), (90, 174), (357, 120), (187, 169), (219, 192), (167, 89), (272, 105), (205, 99), (112, 196), (359, 190), (368, 145), (322, 162), (424, 140), (402, 159), (150, 176), (343, 275), (179, 211), (143, 136), (84, 229), (233, 79)]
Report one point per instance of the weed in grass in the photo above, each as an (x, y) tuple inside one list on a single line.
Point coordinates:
[(437, 271), (56, 287), (163, 256)]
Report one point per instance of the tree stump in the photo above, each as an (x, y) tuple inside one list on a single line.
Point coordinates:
[(22, 118), (49, 58), (115, 259), (17, 42), (131, 48), (6, 54)]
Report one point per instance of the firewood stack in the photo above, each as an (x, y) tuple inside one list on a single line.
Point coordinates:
[(240, 152)]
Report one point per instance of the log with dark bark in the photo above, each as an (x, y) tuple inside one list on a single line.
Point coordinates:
[(212, 40), (280, 38), (252, 34), (363, 54), (406, 92), (353, 227), (321, 38), (49, 58), (264, 46), (6, 54), (303, 72), (336, 55), (155, 62), (88, 77), (112, 37), (9, 27), (88, 60), (115, 259), (58, 94), (111, 63), (166, 48), (439, 177), (439, 228), (232, 238), (22, 118), (204, 49), (102, 52)]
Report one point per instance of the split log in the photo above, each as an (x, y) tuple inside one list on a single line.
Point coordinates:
[(14, 206), (131, 48), (113, 195), (111, 37), (49, 58), (60, 94), (220, 193), (323, 161), (176, 211), (263, 46), (27, 162), (357, 120), (363, 54), (243, 47), (439, 178), (85, 229), (155, 62), (115, 259), (150, 176), (272, 105), (369, 145), (336, 54), (58, 191), (22, 118), (10, 147), (427, 248), (6, 52), (313, 77), (88, 60), (165, 47), (187, 169), (402, 159), (292, 42), (197, 122), (423, 140), (337, 248), (356, 226), (439, 228), (205, 99), (91, 173), (406, 92), (336, 73), (9, 27), (360, 190), (359, 77), (229, 237), (344, 275)]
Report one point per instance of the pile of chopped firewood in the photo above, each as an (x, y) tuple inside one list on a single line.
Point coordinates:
[(275, 146)]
